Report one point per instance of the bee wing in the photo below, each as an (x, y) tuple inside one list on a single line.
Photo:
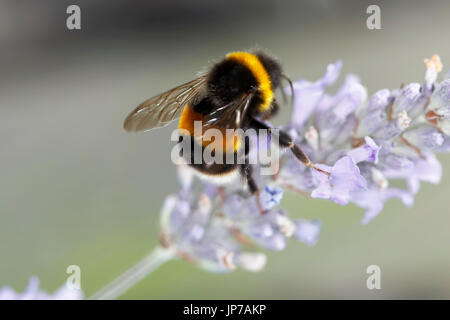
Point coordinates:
[(230, 115), (159, 110)]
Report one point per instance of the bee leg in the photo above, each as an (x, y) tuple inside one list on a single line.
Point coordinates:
[(285, 141), (246, 171)]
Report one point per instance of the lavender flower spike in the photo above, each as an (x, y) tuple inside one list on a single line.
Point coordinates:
[(362, 142)]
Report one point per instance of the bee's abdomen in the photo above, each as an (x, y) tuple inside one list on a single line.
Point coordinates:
[(188, 118), (190, 140), (225, 143)]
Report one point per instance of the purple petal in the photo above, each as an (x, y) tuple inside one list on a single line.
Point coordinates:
[(368, 152), (428, 169), (332, 73), (373, 200), (32, 292), (430, 77), (380, 100), (271, 197), (440, 99), (425, 137), (345, 178), (309, 94), (308, 231), (407, 98)]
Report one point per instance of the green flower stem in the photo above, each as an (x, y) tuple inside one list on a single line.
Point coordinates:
[(133, 275)]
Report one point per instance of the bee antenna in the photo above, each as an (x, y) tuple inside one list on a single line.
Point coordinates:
[(291, 85), (283, 93)]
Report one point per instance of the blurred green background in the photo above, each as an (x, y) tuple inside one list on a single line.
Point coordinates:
[(76, 189)]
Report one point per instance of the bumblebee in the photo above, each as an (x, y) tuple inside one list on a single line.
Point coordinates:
[(237, 93)]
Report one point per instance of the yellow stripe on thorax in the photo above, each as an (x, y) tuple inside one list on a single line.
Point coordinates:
[(253, 63)]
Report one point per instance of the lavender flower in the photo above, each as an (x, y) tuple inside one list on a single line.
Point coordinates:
[(32, 292), (344, 180), (362, 142)]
